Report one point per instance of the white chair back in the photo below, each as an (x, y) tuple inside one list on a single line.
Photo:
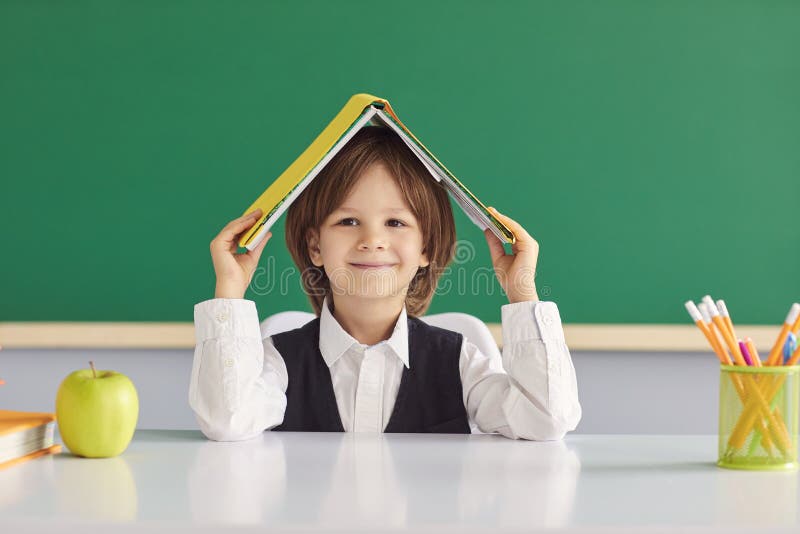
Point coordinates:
[(284, 321), (467, 325)]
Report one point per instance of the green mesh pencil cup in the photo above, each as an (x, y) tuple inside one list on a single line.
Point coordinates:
[(758, 417)]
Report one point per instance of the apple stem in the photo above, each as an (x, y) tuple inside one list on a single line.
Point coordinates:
[(94, 372)]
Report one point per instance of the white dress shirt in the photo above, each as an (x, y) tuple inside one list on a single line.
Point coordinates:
[(239, 379)]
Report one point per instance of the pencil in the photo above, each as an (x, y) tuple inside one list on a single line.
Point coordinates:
[(723, 311), (696, 316), (777, 349), (796, 325), (755, 393), (699, 319), (714, 338), (723, 328)]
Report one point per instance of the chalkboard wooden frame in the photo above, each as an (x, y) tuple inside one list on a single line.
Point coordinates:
[(589, 337)]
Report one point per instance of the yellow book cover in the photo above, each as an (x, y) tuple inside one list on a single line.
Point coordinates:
[(359, 111)]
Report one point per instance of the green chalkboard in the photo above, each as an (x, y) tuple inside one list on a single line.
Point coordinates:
[(652, 147)]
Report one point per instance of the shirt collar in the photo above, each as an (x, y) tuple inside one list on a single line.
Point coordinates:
[(334, 341)]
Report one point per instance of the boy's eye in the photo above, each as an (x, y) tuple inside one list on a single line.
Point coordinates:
[(350, 220)]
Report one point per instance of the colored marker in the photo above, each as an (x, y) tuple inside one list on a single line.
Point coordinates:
[(745, 353), (789, 347), (795, 357)]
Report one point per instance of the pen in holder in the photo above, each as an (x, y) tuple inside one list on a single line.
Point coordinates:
[(758, 417)]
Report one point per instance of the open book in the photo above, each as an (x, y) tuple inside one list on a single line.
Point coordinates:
[(361, 110)]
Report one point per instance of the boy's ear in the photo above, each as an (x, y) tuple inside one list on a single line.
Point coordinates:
[(423, 260), (312, 240)]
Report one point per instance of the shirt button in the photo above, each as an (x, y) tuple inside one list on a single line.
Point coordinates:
[(228, 362), (222, 317), (547, 320)]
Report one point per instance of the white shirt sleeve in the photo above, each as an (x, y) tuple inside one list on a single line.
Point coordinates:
[(530, 392), (238, 382)]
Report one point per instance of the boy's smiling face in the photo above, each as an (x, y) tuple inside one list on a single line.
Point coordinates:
[(371, 246)]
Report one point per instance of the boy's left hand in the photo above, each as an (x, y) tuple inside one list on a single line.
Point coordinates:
[(516, 272)]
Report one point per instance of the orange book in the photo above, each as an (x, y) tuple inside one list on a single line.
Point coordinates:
[(25, 436), (53, 449)]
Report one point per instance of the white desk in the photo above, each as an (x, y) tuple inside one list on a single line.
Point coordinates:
[(179, 481)]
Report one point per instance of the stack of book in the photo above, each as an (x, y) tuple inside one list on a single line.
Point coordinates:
[(25, 436)]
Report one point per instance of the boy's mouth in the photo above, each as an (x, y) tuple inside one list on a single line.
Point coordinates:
[(372, 265)]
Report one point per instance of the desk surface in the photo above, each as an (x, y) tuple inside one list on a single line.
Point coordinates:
[(300, 481)]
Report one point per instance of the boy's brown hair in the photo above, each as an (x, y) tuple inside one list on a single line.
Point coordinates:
[(427, 199)]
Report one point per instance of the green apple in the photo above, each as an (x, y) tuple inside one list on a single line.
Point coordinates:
[(96, 412)]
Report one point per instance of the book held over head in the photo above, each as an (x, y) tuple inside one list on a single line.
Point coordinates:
[(361, 110)]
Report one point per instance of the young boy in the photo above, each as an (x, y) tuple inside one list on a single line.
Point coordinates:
[(371, 236)]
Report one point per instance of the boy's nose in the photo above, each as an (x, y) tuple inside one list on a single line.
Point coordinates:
[(372, 240), (370, 244)]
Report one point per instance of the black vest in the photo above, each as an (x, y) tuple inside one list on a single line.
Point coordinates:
[(429, 399)]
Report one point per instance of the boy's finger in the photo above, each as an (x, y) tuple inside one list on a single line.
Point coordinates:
[(496, 249), (252, 256), (238, 226), (256, 252), (513, 225), (256, 211), (244, 218)]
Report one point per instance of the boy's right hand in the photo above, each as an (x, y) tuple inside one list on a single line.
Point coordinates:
[(234, 271)]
